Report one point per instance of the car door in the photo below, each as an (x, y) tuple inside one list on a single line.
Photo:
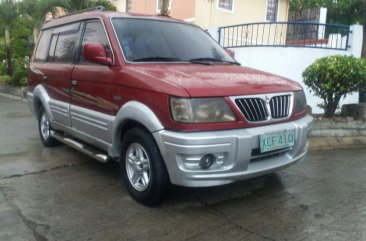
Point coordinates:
[(93, 86), (58, 68)]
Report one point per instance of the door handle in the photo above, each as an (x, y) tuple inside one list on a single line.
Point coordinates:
[(45, 78), (74, 84)]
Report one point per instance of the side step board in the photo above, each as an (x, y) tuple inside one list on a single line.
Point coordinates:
[(90, 151)]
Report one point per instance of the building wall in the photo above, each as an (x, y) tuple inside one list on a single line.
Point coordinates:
[(244, 11), (206, 14), (180, 9)]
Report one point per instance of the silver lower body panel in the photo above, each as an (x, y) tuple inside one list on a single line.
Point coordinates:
[(235, 152)]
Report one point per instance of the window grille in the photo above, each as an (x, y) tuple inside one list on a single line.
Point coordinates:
[(226, 4), (272, 9)]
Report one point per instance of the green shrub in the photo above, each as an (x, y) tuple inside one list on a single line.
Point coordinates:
[(5, 79), (330, 78), (17, 77), (16, 66), (4, 68), (23, 81)]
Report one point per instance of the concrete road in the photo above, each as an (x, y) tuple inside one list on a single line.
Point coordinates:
[(60, 194)]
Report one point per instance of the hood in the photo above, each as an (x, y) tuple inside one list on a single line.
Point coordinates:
[(210, 80)]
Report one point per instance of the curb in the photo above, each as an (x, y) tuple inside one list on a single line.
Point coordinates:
[(11, 90), (315, 142), (345, 142), (13, 97)]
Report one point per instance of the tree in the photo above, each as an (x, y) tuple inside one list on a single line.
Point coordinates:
[(363, 53), (339, 12), (36, 10), (362, 96), (332, 77), (2, 43), (8, 13), (21, 32)]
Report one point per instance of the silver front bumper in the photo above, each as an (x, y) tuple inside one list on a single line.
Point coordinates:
[(236, 150)]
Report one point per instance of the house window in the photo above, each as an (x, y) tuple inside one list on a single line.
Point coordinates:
[(226, 5), (272, 10), (160, 4)]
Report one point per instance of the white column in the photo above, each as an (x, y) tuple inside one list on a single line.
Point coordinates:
[(355, 40), (322, 20)]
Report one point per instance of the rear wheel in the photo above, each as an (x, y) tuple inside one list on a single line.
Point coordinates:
[(143, 169), (45, 129)]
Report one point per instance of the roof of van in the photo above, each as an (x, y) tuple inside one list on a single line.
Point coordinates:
[(102, 14)]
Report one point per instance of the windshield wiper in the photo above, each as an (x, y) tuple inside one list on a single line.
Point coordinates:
[(158, 58), (208, 60)]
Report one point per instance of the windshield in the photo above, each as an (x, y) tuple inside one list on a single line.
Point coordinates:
[(163, 41)]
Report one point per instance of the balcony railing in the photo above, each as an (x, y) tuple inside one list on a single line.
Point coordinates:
[(285, 34)]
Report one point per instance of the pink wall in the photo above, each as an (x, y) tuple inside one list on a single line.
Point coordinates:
[(180, 9)]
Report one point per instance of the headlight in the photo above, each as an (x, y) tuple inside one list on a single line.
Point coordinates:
[(201, 110), (300, 101)]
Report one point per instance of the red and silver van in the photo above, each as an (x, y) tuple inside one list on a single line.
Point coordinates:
[(165, 100)]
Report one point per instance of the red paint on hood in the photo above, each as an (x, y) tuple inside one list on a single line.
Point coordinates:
[(210, 80)]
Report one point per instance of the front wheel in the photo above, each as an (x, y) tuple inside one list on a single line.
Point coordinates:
[(143, 169), (44, 128)]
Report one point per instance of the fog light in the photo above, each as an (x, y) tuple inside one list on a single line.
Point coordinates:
[(207, 160)]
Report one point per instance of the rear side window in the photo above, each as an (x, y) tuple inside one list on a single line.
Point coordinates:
[(64, 51), (63, 43), (94, 33), (40, 55)]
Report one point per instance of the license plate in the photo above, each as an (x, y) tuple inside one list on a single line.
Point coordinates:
[(276, 140)]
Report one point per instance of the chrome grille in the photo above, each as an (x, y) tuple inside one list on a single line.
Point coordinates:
[(265, 107), (254, 109), (280, 106)]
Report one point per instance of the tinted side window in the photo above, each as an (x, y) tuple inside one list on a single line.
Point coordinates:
[(40, 54), (63, 43), (94, 33), (64, 51)]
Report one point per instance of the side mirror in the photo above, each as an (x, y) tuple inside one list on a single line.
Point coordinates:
[(96, 53)]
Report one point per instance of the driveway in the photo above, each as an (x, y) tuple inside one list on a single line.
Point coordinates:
[(61, 194)]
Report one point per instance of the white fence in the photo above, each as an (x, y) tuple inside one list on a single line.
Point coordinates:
[(290, 62)]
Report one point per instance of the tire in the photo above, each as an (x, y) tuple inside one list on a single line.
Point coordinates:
[(143, 168), (45, 128)]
